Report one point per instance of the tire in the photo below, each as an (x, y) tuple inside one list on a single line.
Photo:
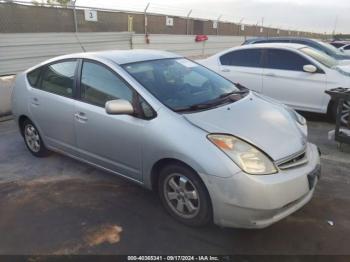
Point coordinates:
[(332, 112), (345, 113), (32, 139), (180, 189)]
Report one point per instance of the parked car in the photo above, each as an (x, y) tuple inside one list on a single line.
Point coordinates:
[(345, 49), (317, 44), (211, 149), (339, 44), (296, 75)]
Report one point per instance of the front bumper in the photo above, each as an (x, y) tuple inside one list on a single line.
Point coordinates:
[(248, 201)]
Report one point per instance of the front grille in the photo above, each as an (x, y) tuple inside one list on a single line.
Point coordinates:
[(294, 161)]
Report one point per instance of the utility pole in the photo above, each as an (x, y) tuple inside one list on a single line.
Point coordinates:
[(145, 16), (187, 21), (335, 25)]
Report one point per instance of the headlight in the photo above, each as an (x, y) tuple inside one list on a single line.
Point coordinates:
[(250, 159), (299, 118)]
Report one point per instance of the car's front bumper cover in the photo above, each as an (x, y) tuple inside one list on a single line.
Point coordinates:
[(248, 201)]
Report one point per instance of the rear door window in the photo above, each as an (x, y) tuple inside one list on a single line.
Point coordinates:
[(244, 58), (58, 78), (33, 77), (285, 60)]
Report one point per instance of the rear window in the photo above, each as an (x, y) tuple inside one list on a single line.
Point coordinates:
[(244, 58), (33, 77)]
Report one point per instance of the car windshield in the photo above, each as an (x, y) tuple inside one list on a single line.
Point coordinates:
[(181, 84), (331, 48), (321, 57)]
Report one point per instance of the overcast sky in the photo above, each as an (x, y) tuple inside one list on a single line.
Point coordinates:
[(312, 15)]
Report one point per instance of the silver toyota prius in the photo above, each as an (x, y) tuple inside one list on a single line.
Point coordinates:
[(212, 149)]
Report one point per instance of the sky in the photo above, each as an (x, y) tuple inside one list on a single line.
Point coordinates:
[(305, 15)]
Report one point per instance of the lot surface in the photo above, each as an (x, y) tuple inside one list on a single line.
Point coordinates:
[(57, 205)]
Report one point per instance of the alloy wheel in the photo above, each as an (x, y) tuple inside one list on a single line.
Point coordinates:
[(345, 113), (32, 138), (182, 196)]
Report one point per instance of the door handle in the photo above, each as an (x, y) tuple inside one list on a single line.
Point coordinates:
[(270, 74), (81, 117), (226, 70)]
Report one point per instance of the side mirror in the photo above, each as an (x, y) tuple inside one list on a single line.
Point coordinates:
[(310, 68), (119, 107)]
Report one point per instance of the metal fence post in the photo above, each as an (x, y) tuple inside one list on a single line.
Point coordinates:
[(188, 16), (145, 16), (217, 25), (75, 16), (240, 26)]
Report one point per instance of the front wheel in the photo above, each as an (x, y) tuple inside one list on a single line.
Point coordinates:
[(184, 195)]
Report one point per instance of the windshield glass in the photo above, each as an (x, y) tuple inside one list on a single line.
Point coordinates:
[(331, 48), (320, 57), (180, 83)]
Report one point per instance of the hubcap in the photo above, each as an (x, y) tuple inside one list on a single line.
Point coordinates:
[(181, 195), (32, 138), (345, 113)]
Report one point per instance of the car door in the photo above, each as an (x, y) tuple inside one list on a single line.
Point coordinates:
[(284, 79), (243, 67), (51, 105), (113, 142)]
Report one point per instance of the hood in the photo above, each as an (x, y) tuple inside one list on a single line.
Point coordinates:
[(343, 62), (343, 57), (343, 69), (268, 126)]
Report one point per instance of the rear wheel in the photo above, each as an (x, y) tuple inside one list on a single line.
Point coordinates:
[(184, 195), (33, 139)]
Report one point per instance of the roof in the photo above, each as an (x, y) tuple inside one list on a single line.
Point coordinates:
[(134, 55), (128, 56), (281, 38), (276, 45)]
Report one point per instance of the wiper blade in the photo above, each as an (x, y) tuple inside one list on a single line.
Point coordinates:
[(241, 87), (195, 107), (215, 102), (239, 92)]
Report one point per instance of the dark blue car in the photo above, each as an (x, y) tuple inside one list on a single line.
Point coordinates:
[(317, 44)]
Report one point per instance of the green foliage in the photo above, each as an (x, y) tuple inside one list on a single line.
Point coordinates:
[(60, 2)]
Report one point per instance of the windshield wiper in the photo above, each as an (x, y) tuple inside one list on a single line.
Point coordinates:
[(215, 102), (233, 93), (241, 87), (242, 90), (195, 107)]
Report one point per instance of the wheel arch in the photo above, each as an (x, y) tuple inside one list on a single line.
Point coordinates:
[(21, 120), (161, 163), (155, 175)]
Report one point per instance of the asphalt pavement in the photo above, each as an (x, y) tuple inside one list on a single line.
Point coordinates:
[(58, 205)]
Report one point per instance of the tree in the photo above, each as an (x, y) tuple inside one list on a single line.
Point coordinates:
[(60, 2)]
